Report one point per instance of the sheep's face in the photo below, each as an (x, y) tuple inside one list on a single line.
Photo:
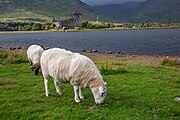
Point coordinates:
[(36, 67), (99, 94)]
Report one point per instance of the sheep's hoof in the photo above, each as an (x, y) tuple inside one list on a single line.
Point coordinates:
[(59, 93), (82, 97), (77, 101), (48, 95)]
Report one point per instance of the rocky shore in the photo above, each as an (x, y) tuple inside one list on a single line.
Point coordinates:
[(134, 59)]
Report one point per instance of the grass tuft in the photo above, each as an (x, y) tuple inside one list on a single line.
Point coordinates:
[(112, 71), (12, 57), (169, 62), (113, 68)]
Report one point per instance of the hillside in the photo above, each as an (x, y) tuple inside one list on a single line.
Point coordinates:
[(118, 11), (45, 9), (159, 10), (164, 11)]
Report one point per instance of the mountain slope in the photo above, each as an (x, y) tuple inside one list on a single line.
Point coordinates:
[(118, 11), (45, 8), (150, 11), (158, 10)]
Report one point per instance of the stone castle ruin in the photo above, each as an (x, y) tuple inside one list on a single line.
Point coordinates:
[(75, 21)]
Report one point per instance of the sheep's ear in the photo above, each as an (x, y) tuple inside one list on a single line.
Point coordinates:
[(93, 90), (105, 83), (43, 47)]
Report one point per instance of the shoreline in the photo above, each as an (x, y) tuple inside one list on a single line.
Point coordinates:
[(87, 30), (134, 58), (129, 58), (94, 53)]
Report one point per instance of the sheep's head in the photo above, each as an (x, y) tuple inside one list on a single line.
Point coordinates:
[(99, 93), (36, 67)]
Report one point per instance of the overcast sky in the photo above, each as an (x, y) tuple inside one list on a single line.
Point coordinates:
[(102, 2)]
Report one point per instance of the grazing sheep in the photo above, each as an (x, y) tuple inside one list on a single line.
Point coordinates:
[(34, 53), (79, 70)]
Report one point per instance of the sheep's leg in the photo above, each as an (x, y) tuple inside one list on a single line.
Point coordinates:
[(80, 93), (46, 87), (76, 97), (57, 87), (30, 63)]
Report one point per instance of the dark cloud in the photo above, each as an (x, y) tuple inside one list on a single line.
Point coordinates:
[(102, 2)]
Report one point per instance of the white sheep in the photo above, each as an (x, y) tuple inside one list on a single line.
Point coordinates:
[(34, 53), (79, 70)]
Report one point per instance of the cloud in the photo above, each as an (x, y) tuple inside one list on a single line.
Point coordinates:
[(102, 2)]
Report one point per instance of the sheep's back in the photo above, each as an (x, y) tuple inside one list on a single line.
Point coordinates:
[(34, 53), (83, 68), (68, 67), (50, 60), (77, 69)]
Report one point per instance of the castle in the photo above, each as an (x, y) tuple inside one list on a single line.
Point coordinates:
[(75, 21)]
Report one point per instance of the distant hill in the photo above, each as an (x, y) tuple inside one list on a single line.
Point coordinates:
[(117, 11), (45, 9), (164, 11)]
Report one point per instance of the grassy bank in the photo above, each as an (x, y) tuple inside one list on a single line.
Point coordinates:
[(135, 92), (86, 26)]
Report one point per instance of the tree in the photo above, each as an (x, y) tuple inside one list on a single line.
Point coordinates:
[(85, 24), (37, 26)]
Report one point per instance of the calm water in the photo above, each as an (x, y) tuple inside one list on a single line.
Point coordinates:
[(149, 42)]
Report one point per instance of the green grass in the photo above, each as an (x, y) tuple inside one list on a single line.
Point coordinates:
[(12, 57), (140, 93)]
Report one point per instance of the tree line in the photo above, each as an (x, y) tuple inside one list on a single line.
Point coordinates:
[(25, 26), (30, 26), (101, 25)]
